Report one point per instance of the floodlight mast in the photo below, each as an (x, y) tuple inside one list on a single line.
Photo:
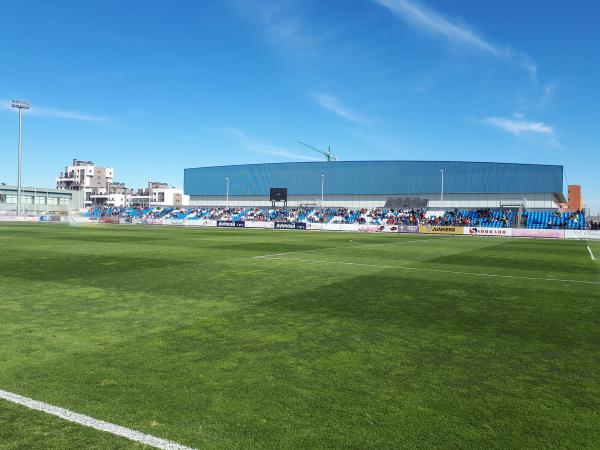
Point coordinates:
[(20, 105)]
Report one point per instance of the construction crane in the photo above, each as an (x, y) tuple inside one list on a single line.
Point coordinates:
[(330, 156)]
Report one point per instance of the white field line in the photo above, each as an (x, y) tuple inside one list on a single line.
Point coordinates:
[(88, 421), (423, 269), (403, 241), (591, 254)]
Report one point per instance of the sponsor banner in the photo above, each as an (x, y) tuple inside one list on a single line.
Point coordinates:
[(173, 222), (290, 226), (485, 231), (531, 232), (332, 226), (315, 226), (231, 223), (438, 229), (200, 223), (408, 228), (582, 234), (371, 228), (251, 224), (153, 221), (348, 226)]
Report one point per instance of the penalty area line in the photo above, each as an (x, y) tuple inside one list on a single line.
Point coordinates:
[(424, 269), (90, 422)]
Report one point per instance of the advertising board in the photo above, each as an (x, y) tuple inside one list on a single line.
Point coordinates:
[(408, 228), (251, 224), (231, 223), (290, 226), (485, 231), (531, 232), (582, 234), (438, 229), (335, 226), (371, 228), (315, 226)]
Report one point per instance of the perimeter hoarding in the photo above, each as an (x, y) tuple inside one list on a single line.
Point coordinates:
[(485, 231), (538, 233), (435, 229), (384, 228), (290, 226), (582, 234), (408, 228), (231, 224)]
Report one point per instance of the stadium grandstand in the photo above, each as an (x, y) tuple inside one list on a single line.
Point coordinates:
[(430, 185), (505, 218)]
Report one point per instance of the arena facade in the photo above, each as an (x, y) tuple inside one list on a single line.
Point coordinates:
[(371, 184)]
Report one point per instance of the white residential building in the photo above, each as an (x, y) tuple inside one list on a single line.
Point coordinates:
[(160, 194), (94, 181)]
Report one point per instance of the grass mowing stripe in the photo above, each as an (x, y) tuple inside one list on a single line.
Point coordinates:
[(88, 421), (424, 269), (591, 254)]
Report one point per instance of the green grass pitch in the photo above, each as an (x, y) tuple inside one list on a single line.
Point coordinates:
[(181, 333)]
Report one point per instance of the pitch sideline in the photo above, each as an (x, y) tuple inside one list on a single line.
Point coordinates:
[(90, 422)]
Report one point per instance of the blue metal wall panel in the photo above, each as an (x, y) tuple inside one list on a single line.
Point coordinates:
[(374, 178)]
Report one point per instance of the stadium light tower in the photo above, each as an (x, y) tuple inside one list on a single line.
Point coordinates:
[(322, 187), (442, 190), (227, 191), (20, 105)]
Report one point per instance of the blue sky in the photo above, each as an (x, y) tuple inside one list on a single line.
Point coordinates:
[(150, 87)]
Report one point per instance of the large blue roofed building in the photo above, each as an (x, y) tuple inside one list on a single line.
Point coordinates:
[(369, 184)]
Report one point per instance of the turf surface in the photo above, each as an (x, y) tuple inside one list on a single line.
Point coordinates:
[(182, 334)]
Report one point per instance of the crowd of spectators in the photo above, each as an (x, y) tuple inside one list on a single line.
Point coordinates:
[(501, 218)]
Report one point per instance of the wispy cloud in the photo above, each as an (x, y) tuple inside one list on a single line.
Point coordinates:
[(456, 32), (56, 113), (519, 126), (548, 93), (281, 22), (260, 147), (334, 105)]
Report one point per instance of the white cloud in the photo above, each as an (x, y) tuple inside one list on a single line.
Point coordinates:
[(259, 147), (519, 127), (56, 113), (428, 20), (334, 105), (280, 21), (435, 23), (548, 94)]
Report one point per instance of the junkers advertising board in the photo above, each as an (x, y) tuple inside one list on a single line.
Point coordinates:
[(485, 231), (436, 229), (231, 223), (290, 226)]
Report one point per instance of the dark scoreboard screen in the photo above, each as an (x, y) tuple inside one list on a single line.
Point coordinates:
[(279, 194)]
